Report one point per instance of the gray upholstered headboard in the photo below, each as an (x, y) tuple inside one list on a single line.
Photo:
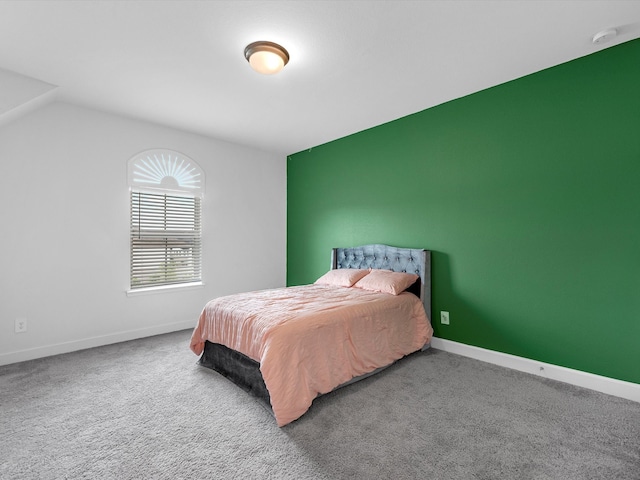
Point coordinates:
[(411, 260)]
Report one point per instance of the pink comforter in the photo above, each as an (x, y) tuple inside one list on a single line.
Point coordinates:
[(310, 339)]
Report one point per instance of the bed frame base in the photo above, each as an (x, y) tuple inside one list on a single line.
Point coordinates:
[(245, 372), (240, 369)]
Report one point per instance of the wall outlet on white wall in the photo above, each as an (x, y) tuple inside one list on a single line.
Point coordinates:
[(21, 325), (444, 318)]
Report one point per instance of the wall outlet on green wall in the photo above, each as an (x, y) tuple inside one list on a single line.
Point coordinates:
[(444, 318)]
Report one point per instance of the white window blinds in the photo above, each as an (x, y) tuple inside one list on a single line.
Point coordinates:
[(165, 239)]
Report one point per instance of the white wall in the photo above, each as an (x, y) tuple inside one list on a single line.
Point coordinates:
[(64, 248)]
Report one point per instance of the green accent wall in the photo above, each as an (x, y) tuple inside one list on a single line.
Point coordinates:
[(528, 194)]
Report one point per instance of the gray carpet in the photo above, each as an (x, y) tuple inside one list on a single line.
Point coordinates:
[(145, 410)]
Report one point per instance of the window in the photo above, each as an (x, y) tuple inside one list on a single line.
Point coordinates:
[(166, 209)]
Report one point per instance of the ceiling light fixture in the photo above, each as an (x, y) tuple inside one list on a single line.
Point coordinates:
[(266, 57)]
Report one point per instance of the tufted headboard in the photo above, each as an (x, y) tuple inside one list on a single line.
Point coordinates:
[(411, 260)]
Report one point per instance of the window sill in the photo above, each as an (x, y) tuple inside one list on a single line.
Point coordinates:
[(164, 288)]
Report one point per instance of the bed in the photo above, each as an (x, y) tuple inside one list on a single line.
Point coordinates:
[(287, 346)]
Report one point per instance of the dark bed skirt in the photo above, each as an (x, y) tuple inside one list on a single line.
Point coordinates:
[(240, 369), (245, 372)]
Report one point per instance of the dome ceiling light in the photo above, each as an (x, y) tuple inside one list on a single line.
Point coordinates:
[(266, 57)]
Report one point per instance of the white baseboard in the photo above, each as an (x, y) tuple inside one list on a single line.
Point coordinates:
[(610, 386), (72, 346)]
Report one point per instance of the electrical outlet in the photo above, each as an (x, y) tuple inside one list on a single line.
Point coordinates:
[(21, 325), (444, 318)]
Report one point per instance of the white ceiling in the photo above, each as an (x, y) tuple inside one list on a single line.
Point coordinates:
[(354, 64)]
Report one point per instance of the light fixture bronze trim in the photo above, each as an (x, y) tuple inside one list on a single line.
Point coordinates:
[(268, 47)]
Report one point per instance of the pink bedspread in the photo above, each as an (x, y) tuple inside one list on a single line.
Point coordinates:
[(310, 339)]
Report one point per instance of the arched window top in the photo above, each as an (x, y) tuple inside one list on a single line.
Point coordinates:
[(165, 170)]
